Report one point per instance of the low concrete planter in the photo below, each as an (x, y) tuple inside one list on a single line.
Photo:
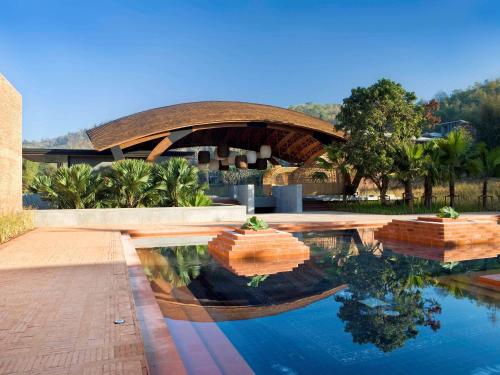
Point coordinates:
[(138, 216)]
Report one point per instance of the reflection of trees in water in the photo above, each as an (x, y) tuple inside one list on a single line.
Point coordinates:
[(395, 282), (178, 265)]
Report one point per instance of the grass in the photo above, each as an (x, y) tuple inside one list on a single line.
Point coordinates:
[(12, 225), (468, 192)]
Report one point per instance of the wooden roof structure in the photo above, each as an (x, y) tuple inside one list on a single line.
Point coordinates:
[(293, 136)]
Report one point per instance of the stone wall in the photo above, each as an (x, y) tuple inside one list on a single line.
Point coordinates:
[(10, 147), (126, 217)]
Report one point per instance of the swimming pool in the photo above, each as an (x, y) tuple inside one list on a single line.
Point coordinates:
[(352, 306)]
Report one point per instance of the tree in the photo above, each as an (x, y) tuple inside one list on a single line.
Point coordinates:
[(130, 184), (178, 182), (394, 284), (338, 160), (378, 120), (75, 187), (431, 170), (485, 164), (454, 151), (488, 125), (410, 163), (478, 104)]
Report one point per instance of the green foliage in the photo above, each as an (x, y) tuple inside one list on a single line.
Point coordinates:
[(255, 223), (378, 120), (128, 183), (448, 212), (326, 112), (257, 280), (32, 169), (178, 182), (74, 187)]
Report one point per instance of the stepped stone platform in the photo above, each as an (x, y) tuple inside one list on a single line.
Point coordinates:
[(264, 252), (267, 265), (441, 232), (441, 254), (493, 280)]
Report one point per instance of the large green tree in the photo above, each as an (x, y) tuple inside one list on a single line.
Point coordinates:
[(378, 120)]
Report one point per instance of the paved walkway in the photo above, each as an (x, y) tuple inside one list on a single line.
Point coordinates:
[(60, 292)]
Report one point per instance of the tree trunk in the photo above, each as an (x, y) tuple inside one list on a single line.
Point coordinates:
[(408, 194), (452, 190), (383, 187), (346, 183), (485, 194), (427, 193)]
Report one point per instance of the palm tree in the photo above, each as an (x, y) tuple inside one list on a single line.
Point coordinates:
[(75, 187), (130, 184), (410, 163), (486, 164), (336, 160), (454, 151), (178, 183), (431, 170)]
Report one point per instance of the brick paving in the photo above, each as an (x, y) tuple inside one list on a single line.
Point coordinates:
[(60, 292)]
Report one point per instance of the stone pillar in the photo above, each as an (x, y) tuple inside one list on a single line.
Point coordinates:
[(245, 194), (10, 148), (288, 198)]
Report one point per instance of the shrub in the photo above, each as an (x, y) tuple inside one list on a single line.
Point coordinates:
[(75, 187), (255, 223), (12, 225), (130, 183), (448, 212), (178, 183)]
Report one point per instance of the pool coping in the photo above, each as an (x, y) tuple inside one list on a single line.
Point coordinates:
[(160, 350), (162, 356)]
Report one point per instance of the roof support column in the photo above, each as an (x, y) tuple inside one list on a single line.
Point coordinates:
[(117, 153), (166, 142)]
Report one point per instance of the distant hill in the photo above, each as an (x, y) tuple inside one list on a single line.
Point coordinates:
[(479, 104), (73, 140), (326, 112)]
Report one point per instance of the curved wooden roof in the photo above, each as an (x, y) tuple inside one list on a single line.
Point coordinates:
[(214, 114)]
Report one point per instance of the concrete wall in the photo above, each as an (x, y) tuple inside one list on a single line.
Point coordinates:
[(288, 198), (10, 147), (138, 216)]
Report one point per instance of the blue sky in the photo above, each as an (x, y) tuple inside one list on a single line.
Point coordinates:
[(80, 63)]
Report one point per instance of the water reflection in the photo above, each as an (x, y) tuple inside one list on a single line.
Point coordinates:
[(381, 297)]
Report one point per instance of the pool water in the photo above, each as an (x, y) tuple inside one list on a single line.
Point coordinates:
[(352, 307)]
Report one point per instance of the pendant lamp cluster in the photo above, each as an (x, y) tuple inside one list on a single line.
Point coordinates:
[(224, 157)]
